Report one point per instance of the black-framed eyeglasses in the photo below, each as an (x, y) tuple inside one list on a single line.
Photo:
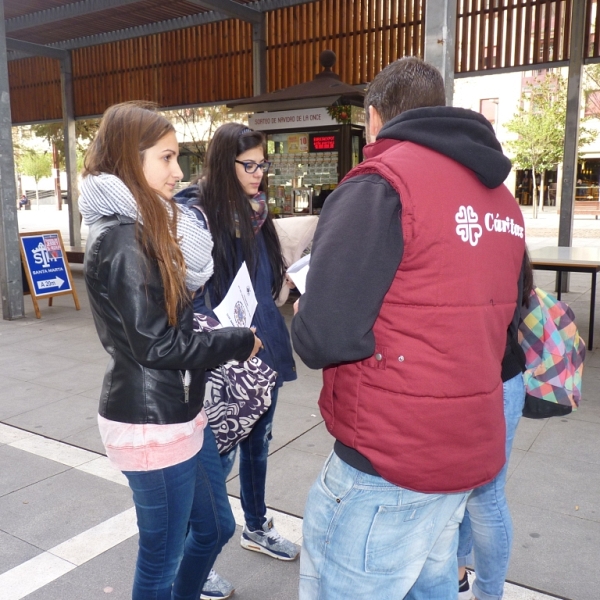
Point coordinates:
[(251, 167)]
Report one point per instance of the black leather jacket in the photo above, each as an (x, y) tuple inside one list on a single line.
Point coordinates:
[(144, 378)]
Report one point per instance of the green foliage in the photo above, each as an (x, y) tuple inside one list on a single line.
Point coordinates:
[(540, 125), (199, 124), (85, 131), (36, 165)]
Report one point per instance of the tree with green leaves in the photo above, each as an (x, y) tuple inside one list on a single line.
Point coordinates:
[(53, 133), (196, 126), (85, 131), (36, 165), (540, 126)]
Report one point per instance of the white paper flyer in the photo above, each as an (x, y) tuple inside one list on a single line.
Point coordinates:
[(239, 304), (298, 272)]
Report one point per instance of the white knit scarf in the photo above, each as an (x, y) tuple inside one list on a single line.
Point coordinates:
[(104, 195)]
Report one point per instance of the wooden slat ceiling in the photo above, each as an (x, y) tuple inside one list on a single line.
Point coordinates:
[(111, 19), (212, 62)]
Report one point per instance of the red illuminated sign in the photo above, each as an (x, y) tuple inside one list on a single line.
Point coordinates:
[(322, 142)]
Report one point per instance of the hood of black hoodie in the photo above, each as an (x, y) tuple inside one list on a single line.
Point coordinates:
[(460, 134)]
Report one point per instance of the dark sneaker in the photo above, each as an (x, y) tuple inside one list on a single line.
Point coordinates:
[(269, 542), (464, 590), (216, 587)]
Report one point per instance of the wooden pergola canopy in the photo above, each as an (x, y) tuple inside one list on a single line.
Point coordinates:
[(191, 52)]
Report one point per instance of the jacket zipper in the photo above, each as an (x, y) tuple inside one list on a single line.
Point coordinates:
[(186, 379)]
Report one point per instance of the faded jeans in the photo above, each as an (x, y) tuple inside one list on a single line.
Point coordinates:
[(486, 530), (364, 537)]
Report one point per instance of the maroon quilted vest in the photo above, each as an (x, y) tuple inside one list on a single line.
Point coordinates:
[(426, 409)]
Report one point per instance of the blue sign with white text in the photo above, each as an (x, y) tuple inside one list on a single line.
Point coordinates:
[(46, 263)]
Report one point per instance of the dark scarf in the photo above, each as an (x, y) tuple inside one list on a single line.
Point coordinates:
[(260, 210)]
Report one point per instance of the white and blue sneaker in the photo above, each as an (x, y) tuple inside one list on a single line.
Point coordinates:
[(216, 588), (464, 589), (269, 542)]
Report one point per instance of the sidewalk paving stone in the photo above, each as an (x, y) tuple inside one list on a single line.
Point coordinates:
[(51, 372)]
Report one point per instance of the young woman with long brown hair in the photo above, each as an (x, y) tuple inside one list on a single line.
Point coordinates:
[(144, 254), (230, 195)]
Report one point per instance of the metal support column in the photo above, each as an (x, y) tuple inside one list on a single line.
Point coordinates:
[(259, 56), (11, 283), (66, 79), (440, 33), (569, 172)]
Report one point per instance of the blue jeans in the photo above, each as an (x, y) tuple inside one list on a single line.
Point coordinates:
[(174, 560), (486, 529), (365, 537), (254, 452)]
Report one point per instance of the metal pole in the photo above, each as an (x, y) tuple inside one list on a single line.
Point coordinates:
[(11, 284), (259, 56), (68, 106), (569, 177), (440, 32)]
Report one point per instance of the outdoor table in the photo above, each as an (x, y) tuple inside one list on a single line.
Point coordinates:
[(569, 259)]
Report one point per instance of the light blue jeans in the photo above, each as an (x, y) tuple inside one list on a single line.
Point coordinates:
[(364, 536), (486, 530)]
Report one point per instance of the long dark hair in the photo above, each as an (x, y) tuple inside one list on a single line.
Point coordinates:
[(126, 131), (222, 198)]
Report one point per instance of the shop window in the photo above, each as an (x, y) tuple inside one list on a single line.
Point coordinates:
[(489, 109)]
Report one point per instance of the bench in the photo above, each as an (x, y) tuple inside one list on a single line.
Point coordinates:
[(587, 207), (75, 254)]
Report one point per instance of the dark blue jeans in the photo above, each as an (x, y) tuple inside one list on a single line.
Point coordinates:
[(173, 562), (254, 452)]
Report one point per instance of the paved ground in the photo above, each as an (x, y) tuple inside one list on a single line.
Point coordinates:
[(67, 528)]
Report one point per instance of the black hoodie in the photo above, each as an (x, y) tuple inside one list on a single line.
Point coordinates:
[(460, 134), (348, 282)]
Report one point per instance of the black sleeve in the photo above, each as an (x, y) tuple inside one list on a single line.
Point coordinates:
[(356, 252), (513, 361), (135, 293)]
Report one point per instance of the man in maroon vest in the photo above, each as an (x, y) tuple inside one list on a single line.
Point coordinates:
[(413, 283)]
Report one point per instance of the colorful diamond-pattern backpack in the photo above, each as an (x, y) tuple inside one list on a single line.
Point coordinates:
[(554, 354)]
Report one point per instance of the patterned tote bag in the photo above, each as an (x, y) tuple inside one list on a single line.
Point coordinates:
[(554, 354), (236, 394)]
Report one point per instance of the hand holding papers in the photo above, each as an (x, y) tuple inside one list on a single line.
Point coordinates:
[(239, 304), (298, 272)]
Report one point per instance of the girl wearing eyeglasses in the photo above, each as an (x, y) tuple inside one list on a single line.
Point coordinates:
[(230, 197)]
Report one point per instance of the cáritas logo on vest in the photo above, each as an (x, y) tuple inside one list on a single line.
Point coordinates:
[(469, 230)]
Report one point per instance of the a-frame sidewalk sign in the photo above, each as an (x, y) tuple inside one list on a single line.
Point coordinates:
[(46, 269)]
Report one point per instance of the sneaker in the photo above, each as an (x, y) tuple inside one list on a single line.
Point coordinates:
[(216, 587), (464, 590), (268, 541)]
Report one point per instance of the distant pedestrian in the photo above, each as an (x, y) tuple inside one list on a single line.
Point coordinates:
[(143, 251), (23, 202)]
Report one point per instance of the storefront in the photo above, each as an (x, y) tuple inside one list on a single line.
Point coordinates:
[(310, 151), (315, 135)]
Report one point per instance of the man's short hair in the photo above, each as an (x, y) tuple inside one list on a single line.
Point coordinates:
[(406, 83)]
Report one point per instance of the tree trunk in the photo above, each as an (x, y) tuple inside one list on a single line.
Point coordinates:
[(534, 200), (542, 182), (56, 167)]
